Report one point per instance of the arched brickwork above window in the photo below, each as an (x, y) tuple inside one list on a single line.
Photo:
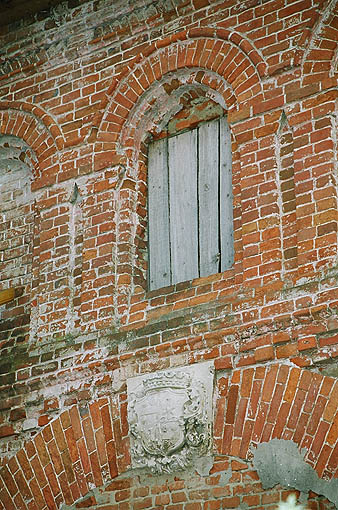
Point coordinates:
[(217, 64), (163, 100), (88, 447), (39, 132), (221, 60)]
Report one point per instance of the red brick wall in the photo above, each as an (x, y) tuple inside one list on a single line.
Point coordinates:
[(82, 88), (17, 223), (85, 448)]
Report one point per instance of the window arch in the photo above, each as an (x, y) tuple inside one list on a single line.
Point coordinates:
[(16, 233)]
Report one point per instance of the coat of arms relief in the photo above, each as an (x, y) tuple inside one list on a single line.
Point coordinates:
[(170, 417)]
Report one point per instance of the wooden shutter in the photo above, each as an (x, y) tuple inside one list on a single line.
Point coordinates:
[(208, 190), (158, 216), (226, 197), (190, 204), (182, 150)]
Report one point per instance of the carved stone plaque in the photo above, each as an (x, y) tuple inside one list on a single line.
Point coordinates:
[(170, 417)]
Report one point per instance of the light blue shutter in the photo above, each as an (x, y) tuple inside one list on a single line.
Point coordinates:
[(208, 190), (190, 218), (182, 151), (226, 197), (158, 215)]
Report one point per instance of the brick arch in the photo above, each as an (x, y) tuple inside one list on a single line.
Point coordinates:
[(78, 451), (225, 53), (35, 127), (320, 58), (87, 447), (284, 402)]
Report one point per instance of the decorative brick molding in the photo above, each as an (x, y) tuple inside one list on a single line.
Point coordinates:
[(223, 53), (39, 131), (321, 49), (86, 447)]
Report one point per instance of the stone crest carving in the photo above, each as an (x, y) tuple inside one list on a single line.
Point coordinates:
[(170, 417)]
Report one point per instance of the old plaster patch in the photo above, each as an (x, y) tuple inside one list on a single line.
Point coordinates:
[(170, 418), (280, 462)]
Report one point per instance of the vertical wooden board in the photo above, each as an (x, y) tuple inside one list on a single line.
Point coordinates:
[(182, 150), (208, 197), (158, 215), (226, 197)]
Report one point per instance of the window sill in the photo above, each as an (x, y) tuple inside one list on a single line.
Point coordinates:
[(188, 284)]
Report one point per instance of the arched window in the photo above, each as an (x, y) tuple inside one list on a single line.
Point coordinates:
[(190, 206), (16, 233)]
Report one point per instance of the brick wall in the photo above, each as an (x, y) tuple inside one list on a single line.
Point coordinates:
[(83, 89), (77, 455), (17, 223)]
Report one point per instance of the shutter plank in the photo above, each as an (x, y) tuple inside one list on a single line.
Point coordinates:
[(226, 197), (182, 151), (208, 192), (158, 215)]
